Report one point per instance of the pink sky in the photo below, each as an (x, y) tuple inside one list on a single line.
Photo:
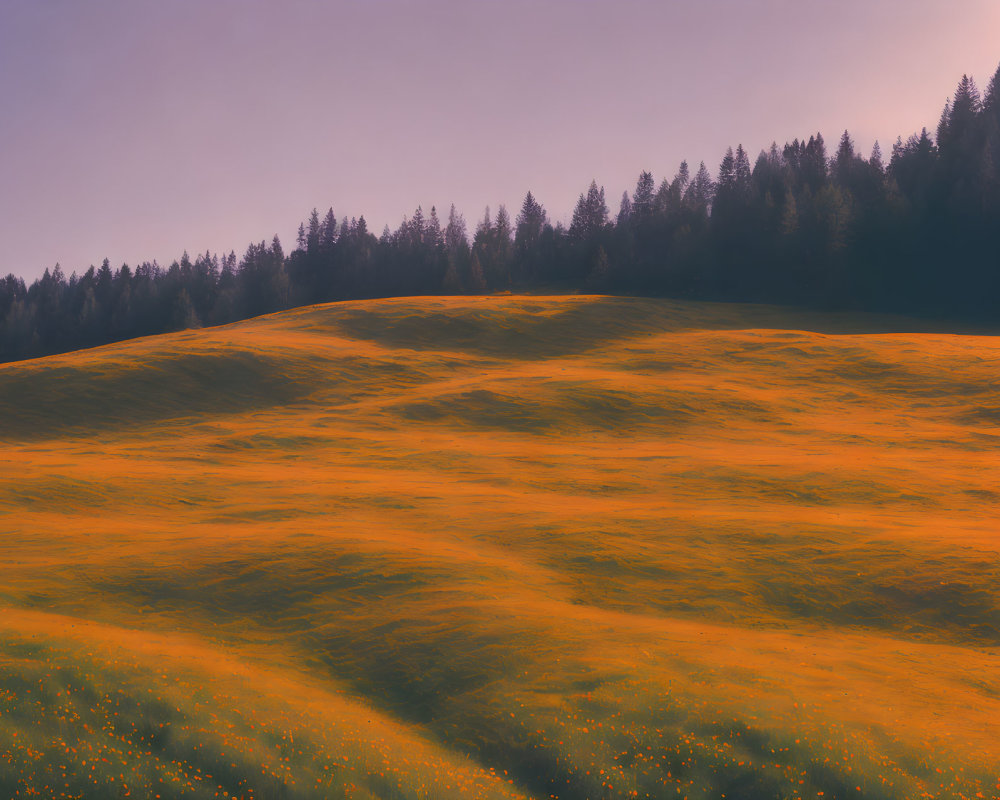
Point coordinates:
[(134, 129)]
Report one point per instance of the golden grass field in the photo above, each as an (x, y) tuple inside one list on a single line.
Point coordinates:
[(571, 547)]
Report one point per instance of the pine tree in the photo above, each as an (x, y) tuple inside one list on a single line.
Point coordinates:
[(671, 199), (967, 102), (312, 238), (700, 193), (642, 198), (876, 161), (500, 261), (814, 163), (726, 182), (483, 249), (529, 227), (435, 238), (792, 154), (328, 233), (959, 142), (742, 173), (843, 162), (624, 212), (590, 217), (455, 234), (530, 222), (944, 122), (663, 202), (484, 230), (502, 228), (991, 147), (991, 102), (991, 107), (456, 245), (417, 227), (683, 177)]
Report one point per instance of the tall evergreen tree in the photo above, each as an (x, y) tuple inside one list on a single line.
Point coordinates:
[(701, 193), (742, 173), (813, 164), (590, 217), (683, 177), (313, 236), (843, 162), (875, 160), (455, 235), (642, 198), (624, 211), (991, 101), (530, 226), (726, 181), (531, 220), (328, 232), (944, 122), (434, 235)]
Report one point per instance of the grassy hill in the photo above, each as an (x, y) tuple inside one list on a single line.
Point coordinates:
[(568, 547)]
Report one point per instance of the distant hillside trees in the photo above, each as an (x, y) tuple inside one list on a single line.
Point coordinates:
[(797, 224)]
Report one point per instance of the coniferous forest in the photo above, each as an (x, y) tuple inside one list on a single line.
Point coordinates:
[(813, 223)]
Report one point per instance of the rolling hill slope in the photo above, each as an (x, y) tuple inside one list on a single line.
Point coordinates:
[(568, 547)]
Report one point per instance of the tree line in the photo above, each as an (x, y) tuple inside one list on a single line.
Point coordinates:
[(916, 232)]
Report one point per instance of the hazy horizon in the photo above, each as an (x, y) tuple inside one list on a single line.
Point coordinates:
[(138, 130)]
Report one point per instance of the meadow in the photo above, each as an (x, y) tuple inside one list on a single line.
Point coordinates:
[(505, 547)]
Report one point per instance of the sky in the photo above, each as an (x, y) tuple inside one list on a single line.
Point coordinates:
[(137, 129)]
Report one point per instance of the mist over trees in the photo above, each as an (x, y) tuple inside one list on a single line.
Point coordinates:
[(915, 230)]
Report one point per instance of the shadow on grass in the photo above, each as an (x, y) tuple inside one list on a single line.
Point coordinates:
[(40, 400)]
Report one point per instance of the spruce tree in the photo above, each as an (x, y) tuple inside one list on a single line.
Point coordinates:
[(530, 222), (435, 237), (328, 231), (944, 122), (701, 193), (642, 198), (529, 227), (455, 234), (876, 161), (991, 101), (742, 174), (683, 177), (590, 217), (624, 212), (726, 182), (312, 237), (500, 261), (844, 160)]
